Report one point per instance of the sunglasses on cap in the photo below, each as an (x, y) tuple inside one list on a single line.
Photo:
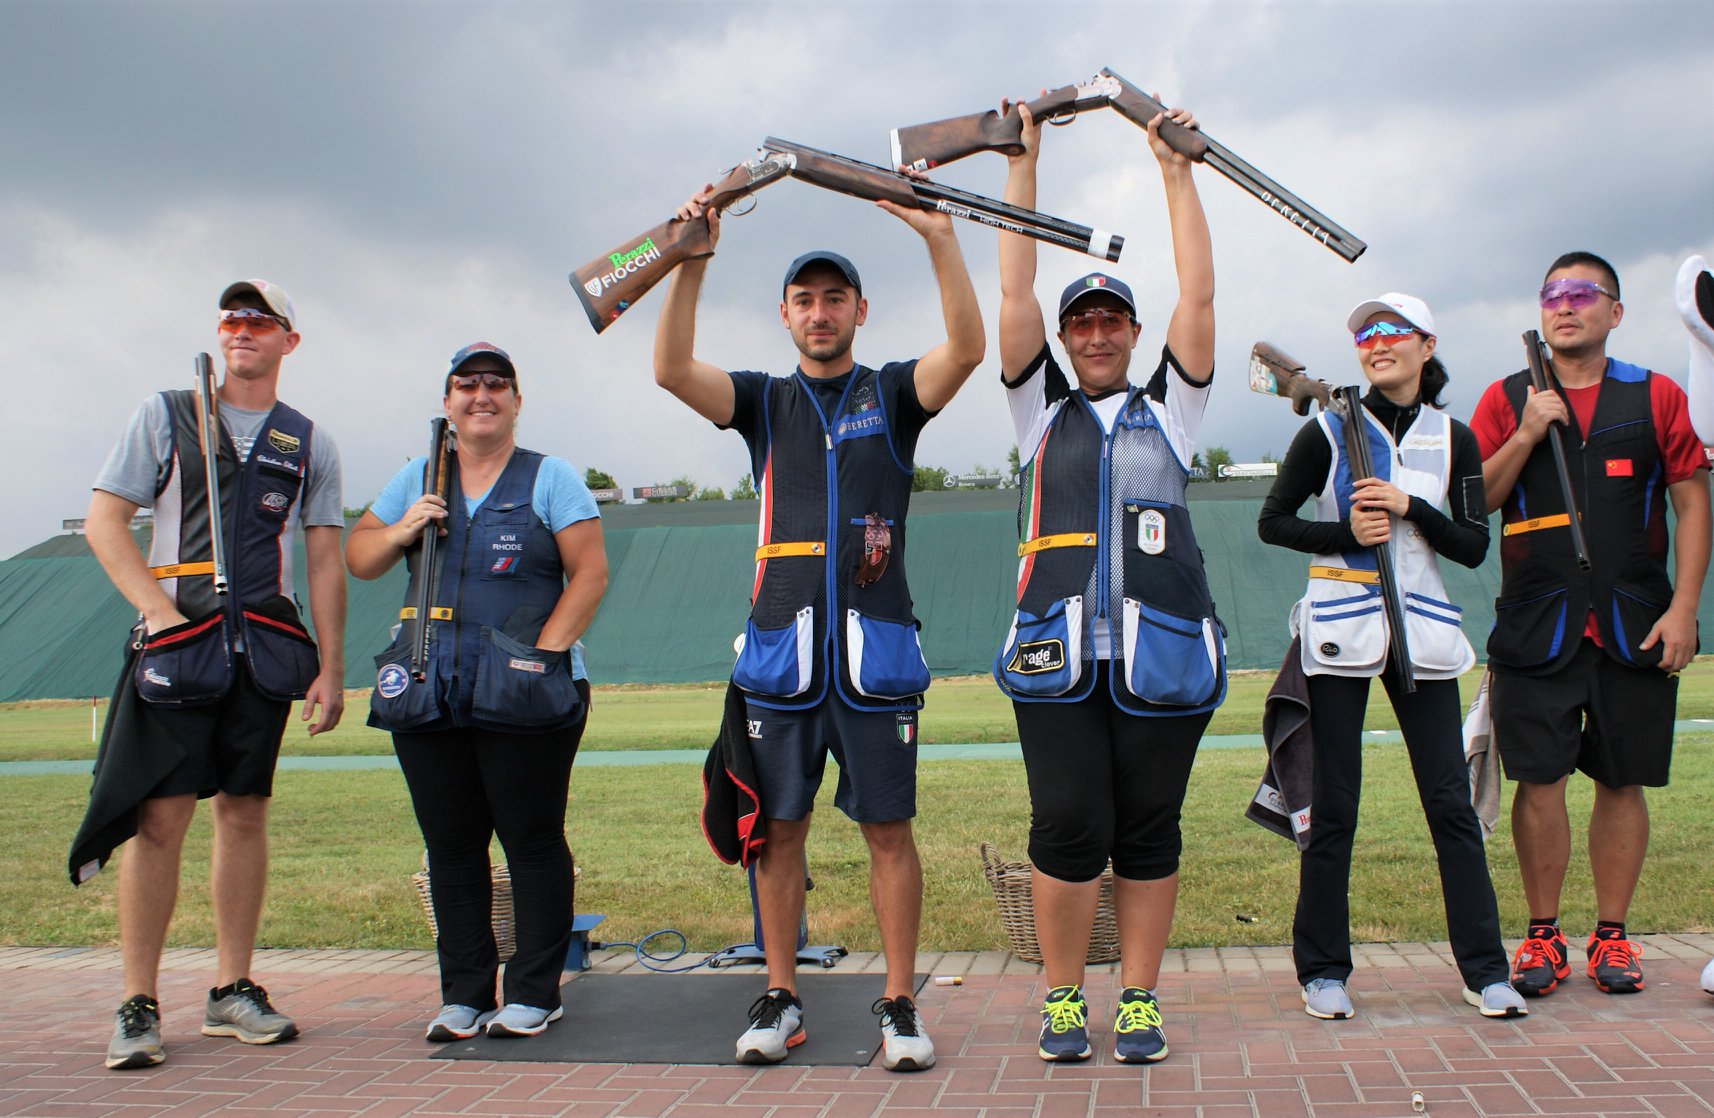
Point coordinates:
[(1368, 336), (493, 382), (1580, 293), (248, 318), (1099, 318)]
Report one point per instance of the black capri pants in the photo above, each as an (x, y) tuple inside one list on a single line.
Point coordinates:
[(1106, 784)]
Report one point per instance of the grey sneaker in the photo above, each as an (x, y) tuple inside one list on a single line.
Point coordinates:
[(776, 1026), (1497, 999), (1326, 998), (245, 1012), (458, 1022), (904, 1045), (136, 1039), (522, 1020)]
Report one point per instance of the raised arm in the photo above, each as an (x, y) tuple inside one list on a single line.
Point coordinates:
[(705, 388), (1022, 331), (1190, 331), (942, 371)]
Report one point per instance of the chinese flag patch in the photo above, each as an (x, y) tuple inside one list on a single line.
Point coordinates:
[(1618, 467)]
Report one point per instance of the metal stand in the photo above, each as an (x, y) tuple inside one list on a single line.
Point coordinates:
[(826, 956)]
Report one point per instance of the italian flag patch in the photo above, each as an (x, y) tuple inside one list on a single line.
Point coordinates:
[(907, 727)]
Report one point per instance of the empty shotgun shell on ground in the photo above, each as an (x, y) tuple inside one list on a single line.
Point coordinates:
[(948, 980)]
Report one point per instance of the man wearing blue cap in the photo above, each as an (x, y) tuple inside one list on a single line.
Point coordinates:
[(1115, 661), (829, 660)]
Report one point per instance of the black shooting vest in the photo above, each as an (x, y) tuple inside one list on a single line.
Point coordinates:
[(1105, 539), (191, 664), (818, 477), (1618, 482), (498, 576)]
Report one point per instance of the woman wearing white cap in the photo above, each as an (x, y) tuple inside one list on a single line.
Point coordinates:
[(1422, 459)]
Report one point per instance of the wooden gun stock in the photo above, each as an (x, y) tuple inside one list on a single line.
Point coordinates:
[(1535, 352), (437, 479), (611, 284), (1273, 372), (865, 180), (208, 428), (924, 146), (1348, 402)]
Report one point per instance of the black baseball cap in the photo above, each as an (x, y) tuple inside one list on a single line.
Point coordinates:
[(822, 256)]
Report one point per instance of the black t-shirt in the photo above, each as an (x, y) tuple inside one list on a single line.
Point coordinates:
[(895, 385), (1461, 537)]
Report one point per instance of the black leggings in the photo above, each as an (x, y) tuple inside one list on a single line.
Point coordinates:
[(467, 786), (1105, 784), (1430, 721)]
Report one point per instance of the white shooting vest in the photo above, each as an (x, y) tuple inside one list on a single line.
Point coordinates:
[(1340, 618)]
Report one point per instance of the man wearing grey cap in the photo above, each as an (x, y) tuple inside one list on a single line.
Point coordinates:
[(211, 676), (829, 660)]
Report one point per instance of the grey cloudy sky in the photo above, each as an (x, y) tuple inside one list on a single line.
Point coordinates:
[(422, 175)]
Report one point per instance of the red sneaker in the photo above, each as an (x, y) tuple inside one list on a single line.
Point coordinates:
[(1541, 962), (1613, 964)]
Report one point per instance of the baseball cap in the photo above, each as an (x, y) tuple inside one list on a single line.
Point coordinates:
[(1092, 283), (272, 296), (482, 349), (822, 256), (1407, 307)]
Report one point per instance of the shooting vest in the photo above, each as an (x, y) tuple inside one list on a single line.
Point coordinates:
[(1105, 539), (497, 578), (1340, 619), (1618, 482), (818, 477), (191, 664)]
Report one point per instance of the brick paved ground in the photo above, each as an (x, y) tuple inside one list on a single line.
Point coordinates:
[(1241, 1048)]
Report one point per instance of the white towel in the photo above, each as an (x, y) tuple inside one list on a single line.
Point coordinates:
[(1482, 758)]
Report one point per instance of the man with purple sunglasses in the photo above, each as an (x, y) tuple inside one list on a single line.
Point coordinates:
[(1585, 662)]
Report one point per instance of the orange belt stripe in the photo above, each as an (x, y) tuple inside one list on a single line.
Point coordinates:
[(1346, 574), (436, 613), (1063, 539), (777, 550), (1518, 527), (179, 570)]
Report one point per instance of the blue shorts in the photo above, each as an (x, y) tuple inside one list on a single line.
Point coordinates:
[(876, 752)]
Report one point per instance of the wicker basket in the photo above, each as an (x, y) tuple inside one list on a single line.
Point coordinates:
[(504, 937), (1012, 892)]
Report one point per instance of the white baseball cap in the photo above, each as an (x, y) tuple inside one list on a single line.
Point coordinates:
[(271, 294), (1407, 307)]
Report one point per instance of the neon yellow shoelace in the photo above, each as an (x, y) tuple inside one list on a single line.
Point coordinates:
[(1141, 1014), (1066, 1012)]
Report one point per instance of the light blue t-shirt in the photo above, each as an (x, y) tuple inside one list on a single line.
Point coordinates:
[(560, 498)]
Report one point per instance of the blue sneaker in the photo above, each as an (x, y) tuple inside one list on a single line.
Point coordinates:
[(1064, 1025), (1137, 1034)]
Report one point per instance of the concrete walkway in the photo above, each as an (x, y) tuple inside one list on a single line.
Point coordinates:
[(1241, 1046)]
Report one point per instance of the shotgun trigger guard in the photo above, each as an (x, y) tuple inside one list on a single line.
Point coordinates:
[(740, 207), (1065, 117)]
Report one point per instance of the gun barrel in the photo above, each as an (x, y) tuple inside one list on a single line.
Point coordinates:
[(1357, 452), (437, 474), (1535, 353), (208, 425)]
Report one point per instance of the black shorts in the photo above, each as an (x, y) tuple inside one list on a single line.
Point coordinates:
[(876, 751), (1608, 720), (230, 746)]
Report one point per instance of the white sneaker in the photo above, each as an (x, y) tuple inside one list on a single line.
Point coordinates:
[(1708, 977), (904, 1046), (776, 1026), (1326, 998), (522, 1020), (458, 1022), (1497, 999)]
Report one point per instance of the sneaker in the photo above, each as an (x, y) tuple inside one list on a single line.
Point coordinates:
[(1613, 964), (1326, 998), (136, 1039), (521, 1020), (1064, 1025), (458, 1022), (246, 1013), (1497, 999), (1708, 978), (1137, 1034), (1541, 962), (776, 1025), (904, 1046)]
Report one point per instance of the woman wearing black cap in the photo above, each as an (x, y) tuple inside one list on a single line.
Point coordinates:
[(487, 737), (1422, 459), (1115, 661)]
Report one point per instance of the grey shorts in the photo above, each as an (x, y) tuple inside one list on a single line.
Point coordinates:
[(876, 752)]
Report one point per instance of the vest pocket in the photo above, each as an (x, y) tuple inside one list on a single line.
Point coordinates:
[(1633, 616), (278, 649), (1345, 630), (1530, 631), (1043, 656), (1170, 660), (1436, 635), (186, 665), (519, 686), (400, 701), (777, 662), (884, 658)]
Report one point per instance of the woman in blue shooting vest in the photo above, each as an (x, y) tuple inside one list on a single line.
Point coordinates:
[(1422, 459), (1115, 661), (486, 738)]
